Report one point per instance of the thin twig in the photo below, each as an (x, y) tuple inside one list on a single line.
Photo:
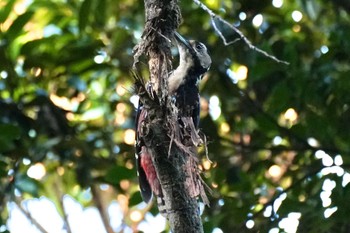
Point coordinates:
[(60, 197), (101, 208), (171, 143), (205, 144), (166, 38), (241, 35), (222, 36), (29, 216)]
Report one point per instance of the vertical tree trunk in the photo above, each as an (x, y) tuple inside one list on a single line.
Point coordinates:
[(162, 18)]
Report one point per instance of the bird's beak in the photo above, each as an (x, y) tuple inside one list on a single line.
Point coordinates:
[(182, 41)]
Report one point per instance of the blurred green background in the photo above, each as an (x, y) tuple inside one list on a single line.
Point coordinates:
[(279, 135)]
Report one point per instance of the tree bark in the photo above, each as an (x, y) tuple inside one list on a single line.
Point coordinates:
[(162, 18)]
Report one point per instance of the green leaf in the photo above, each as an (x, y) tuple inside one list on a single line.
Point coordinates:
[(3, 169), (135, 199), (84, 14), (6, 10), (118, 173), (27, 185), (5, 145), (9, 131), (100, 13), (17, 26)]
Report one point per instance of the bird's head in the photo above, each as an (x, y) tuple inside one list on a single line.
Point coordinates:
[(194, 53)]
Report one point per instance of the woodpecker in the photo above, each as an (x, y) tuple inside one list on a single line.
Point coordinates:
[(183, 88), (183, 81), (148, 179)]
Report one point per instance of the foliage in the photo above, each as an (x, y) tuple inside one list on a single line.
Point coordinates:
[(277, 133)]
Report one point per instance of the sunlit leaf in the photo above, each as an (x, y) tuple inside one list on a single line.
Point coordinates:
[(6, 10), (18, 25)]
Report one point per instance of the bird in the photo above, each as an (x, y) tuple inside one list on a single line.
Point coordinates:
[(183, 82)]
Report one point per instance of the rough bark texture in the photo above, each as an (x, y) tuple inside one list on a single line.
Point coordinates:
[(162, 18)]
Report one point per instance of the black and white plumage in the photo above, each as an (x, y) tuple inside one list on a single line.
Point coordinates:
[(183, 88), (184, 80)]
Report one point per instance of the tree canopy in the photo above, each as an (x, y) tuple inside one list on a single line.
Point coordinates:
[(278, 135)]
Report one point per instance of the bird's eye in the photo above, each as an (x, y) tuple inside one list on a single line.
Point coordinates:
[(199, 46)]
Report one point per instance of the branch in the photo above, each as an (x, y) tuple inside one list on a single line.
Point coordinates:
[(101, 208), (241, 35), (60, 197), (30, 217), (162, 18), (181, 210)]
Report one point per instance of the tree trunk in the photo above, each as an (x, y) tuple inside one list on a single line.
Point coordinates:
[(162, 18)]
